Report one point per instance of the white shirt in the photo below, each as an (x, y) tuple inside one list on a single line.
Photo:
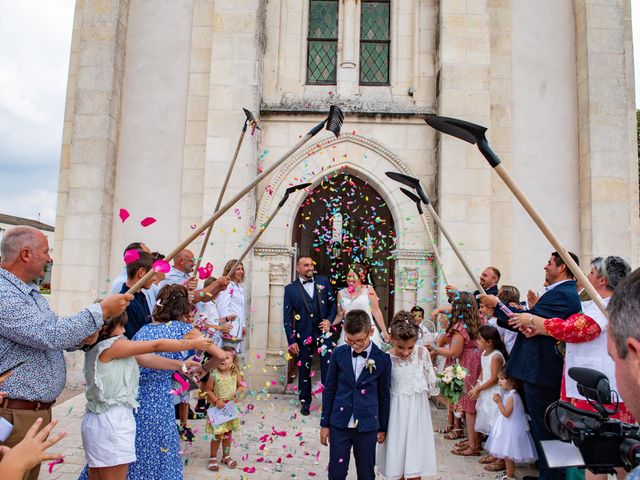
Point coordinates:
[(508, 337), (308, 287), (231, 301), (591, 354), (174, 276), (120, 280), (554, 285), (358, 365)]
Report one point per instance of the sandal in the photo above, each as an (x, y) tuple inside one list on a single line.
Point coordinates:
[(466, 452), (454, 434), (229, 462), (495, 466), (461, 444), (213, 464), (487, 459), (446, 429)]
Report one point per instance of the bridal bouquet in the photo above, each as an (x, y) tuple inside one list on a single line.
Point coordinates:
[(451, 383)]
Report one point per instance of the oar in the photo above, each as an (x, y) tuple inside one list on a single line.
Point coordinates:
[(333, 123), (415, 184), (264, 226), (418, 203), (475, 134), (249, 121)]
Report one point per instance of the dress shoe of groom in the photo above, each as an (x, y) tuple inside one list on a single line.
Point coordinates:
[(304, 410)]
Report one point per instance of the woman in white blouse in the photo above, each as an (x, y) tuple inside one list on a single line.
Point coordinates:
[(230, 302)]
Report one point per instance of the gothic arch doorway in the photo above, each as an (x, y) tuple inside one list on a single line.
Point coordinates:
[(343, 221)]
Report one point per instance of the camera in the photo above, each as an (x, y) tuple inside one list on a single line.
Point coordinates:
[(603, 443)]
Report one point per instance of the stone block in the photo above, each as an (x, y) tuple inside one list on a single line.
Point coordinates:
[(81, 201), (200, 61), (231, 22), (203, 13), (222, 48), (196, 132), (197, 108), (605, 40), (96, 78), (454, 50), (89, 175), (90, 102), (199, 83), (90, 150), (83, 227)]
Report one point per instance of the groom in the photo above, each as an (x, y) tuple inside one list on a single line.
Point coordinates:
[(309, 309)]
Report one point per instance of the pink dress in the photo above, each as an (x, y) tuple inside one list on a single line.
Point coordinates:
[(469, 359)]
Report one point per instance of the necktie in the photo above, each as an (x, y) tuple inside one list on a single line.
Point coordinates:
[(362, 354)]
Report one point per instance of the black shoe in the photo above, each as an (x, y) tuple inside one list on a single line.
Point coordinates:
[(304, 410), (186, 434)]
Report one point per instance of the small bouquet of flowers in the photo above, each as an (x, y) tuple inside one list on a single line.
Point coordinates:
[(451, 383)]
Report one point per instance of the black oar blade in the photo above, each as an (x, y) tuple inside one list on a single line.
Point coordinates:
[(334, 120), (290, 190), (409, 182), (251, 119), (414, 198), (467, 131)]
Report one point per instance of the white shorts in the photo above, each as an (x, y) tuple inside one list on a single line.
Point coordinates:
[(109, 438)]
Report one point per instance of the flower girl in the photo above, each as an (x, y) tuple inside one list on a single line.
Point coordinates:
[(409, 448), (510, 438)]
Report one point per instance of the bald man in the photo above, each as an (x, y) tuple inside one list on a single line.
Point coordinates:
[(33, 338)]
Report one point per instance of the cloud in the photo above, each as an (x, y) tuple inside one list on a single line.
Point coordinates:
[(35, 40)]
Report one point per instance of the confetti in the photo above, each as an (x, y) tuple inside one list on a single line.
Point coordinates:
[(145, 222), (206, 271), (54, 463), (131, 256), (124, 214), (161, 266)]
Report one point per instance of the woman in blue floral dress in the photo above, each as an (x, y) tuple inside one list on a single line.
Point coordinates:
[(157, 441)]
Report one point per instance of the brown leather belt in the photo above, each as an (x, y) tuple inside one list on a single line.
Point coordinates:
[(25, 404)]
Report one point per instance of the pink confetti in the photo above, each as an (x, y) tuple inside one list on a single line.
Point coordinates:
[(145, 222), (131, 256), (308, 340), (249, 469), (184, 385), (54, 463), (206, 271), (312, 474), (245, 457), (161, 266), (363, 391), (124, 214)]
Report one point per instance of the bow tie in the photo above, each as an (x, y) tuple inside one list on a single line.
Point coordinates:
[(362, 354), (304, 282)]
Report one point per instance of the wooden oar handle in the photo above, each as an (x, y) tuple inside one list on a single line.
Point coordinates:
[(435, 247), (453, 245), (535, 216)]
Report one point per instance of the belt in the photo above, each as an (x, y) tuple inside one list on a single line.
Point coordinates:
[(26, 404)]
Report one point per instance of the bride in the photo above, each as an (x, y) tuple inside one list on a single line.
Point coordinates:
[(360, 296)]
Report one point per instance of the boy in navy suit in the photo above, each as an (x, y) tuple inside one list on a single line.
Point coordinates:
[(356, 400)]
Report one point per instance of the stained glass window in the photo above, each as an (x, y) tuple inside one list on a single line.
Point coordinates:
[(322, 42), (375, 40)]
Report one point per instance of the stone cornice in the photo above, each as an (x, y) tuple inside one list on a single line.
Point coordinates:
[(406, 254), (359, 107), (274, 251)]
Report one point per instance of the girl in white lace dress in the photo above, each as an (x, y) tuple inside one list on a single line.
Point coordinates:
[(360, 296), (409, 450)]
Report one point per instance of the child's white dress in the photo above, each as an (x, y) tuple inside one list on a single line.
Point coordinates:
[(487, 409), (510, 437), (409, 448)]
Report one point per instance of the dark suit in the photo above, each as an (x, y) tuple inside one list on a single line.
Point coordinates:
[(367, 399), (535, 362), (308, 312)]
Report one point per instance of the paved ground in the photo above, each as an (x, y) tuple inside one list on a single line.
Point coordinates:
[(291, 439)]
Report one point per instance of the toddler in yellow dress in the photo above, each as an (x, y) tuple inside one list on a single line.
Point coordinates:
[(225, 384)]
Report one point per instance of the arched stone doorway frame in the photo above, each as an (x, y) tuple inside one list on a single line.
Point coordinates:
[(272, 257)]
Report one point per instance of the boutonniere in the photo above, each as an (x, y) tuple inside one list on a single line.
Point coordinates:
[(370, 365)]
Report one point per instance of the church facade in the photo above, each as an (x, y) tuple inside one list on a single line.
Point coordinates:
[(154, 111)]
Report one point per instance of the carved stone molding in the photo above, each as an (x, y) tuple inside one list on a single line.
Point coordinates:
[(274, 251), (412, 255), (284, 172)]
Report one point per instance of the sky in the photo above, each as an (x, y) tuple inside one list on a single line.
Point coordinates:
[(35, 39)]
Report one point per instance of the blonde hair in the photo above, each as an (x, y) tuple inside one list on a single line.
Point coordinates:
[(226, 271)]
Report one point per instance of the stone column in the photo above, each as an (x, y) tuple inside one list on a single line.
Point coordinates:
[(271, 272), (464, 180), (88, 159), (414, 277), (607, 130), (347, 75)]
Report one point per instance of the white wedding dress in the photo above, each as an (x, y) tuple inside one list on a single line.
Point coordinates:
[(361, 302)]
